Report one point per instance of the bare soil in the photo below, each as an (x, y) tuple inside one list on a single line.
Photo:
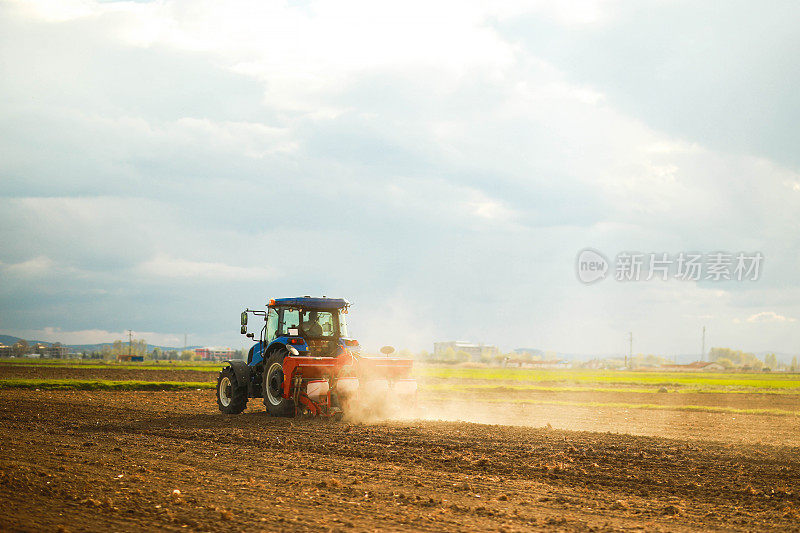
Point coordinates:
[(689, 425), (93, 461), (118, 374)]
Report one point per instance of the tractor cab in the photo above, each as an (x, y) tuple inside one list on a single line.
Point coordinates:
[(314, 327)]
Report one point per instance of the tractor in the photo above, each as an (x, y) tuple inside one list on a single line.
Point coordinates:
[(305, 363)]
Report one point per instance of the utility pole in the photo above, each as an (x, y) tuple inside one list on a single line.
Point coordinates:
[(130, 344), (703, 353), (630, 350), (184, 341)]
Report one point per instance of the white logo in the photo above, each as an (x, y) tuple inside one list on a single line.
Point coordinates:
[(591, 266)]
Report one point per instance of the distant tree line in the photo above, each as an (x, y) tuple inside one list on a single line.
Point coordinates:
[(738, 359)]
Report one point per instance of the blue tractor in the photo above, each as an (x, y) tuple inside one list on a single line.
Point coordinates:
[(304, 361)]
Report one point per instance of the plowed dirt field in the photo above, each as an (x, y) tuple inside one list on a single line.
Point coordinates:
[(132, 461)]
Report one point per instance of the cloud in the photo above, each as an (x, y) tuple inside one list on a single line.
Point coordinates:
[(158, 156), (36, 266), (663, 63), (171, 267), (769, 316)]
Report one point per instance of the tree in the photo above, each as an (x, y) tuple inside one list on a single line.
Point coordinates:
[(656, 360), (20, 348), (724, 361), (770, 361), (462, 356), (156, 354), (794, 364), (107, 351), (449, 354), (714, 354), (186, 355)]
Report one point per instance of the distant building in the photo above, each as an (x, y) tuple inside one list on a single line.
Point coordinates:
[(129, 357), (55, 350), (475, 351), (697, 366), (213, 353)]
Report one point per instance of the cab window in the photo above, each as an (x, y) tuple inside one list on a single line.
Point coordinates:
[(317, 324), (289, 319), (272, 325)]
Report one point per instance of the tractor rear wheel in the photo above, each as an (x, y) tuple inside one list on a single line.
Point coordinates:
[(274, 401), (231, 397)]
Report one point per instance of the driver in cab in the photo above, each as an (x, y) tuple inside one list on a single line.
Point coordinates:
[(311, 327)]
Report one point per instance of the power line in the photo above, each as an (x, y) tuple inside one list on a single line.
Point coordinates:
[(703, 353), (630, 350)]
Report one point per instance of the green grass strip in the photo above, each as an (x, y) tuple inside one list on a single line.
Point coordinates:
[(215, 367), (95, 384), (621, 405), (577, 376), (53, 361)]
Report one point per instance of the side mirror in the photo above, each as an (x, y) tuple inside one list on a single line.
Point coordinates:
[(244, 318), (244, 329), (292, 349), (387, 350), (250, 335)]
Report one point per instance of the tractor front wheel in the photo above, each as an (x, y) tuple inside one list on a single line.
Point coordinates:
[(231, 397), (274, 401)]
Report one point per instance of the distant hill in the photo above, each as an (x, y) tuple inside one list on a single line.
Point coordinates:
[(10, 340), (99, 347)]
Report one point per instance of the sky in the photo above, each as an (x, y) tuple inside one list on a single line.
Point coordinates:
[(164, 165)]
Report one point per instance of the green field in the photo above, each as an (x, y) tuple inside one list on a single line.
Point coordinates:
[(697, 381), (569, 380), (210, 366)]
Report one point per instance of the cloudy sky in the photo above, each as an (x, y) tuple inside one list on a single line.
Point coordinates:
[(440, 164)]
